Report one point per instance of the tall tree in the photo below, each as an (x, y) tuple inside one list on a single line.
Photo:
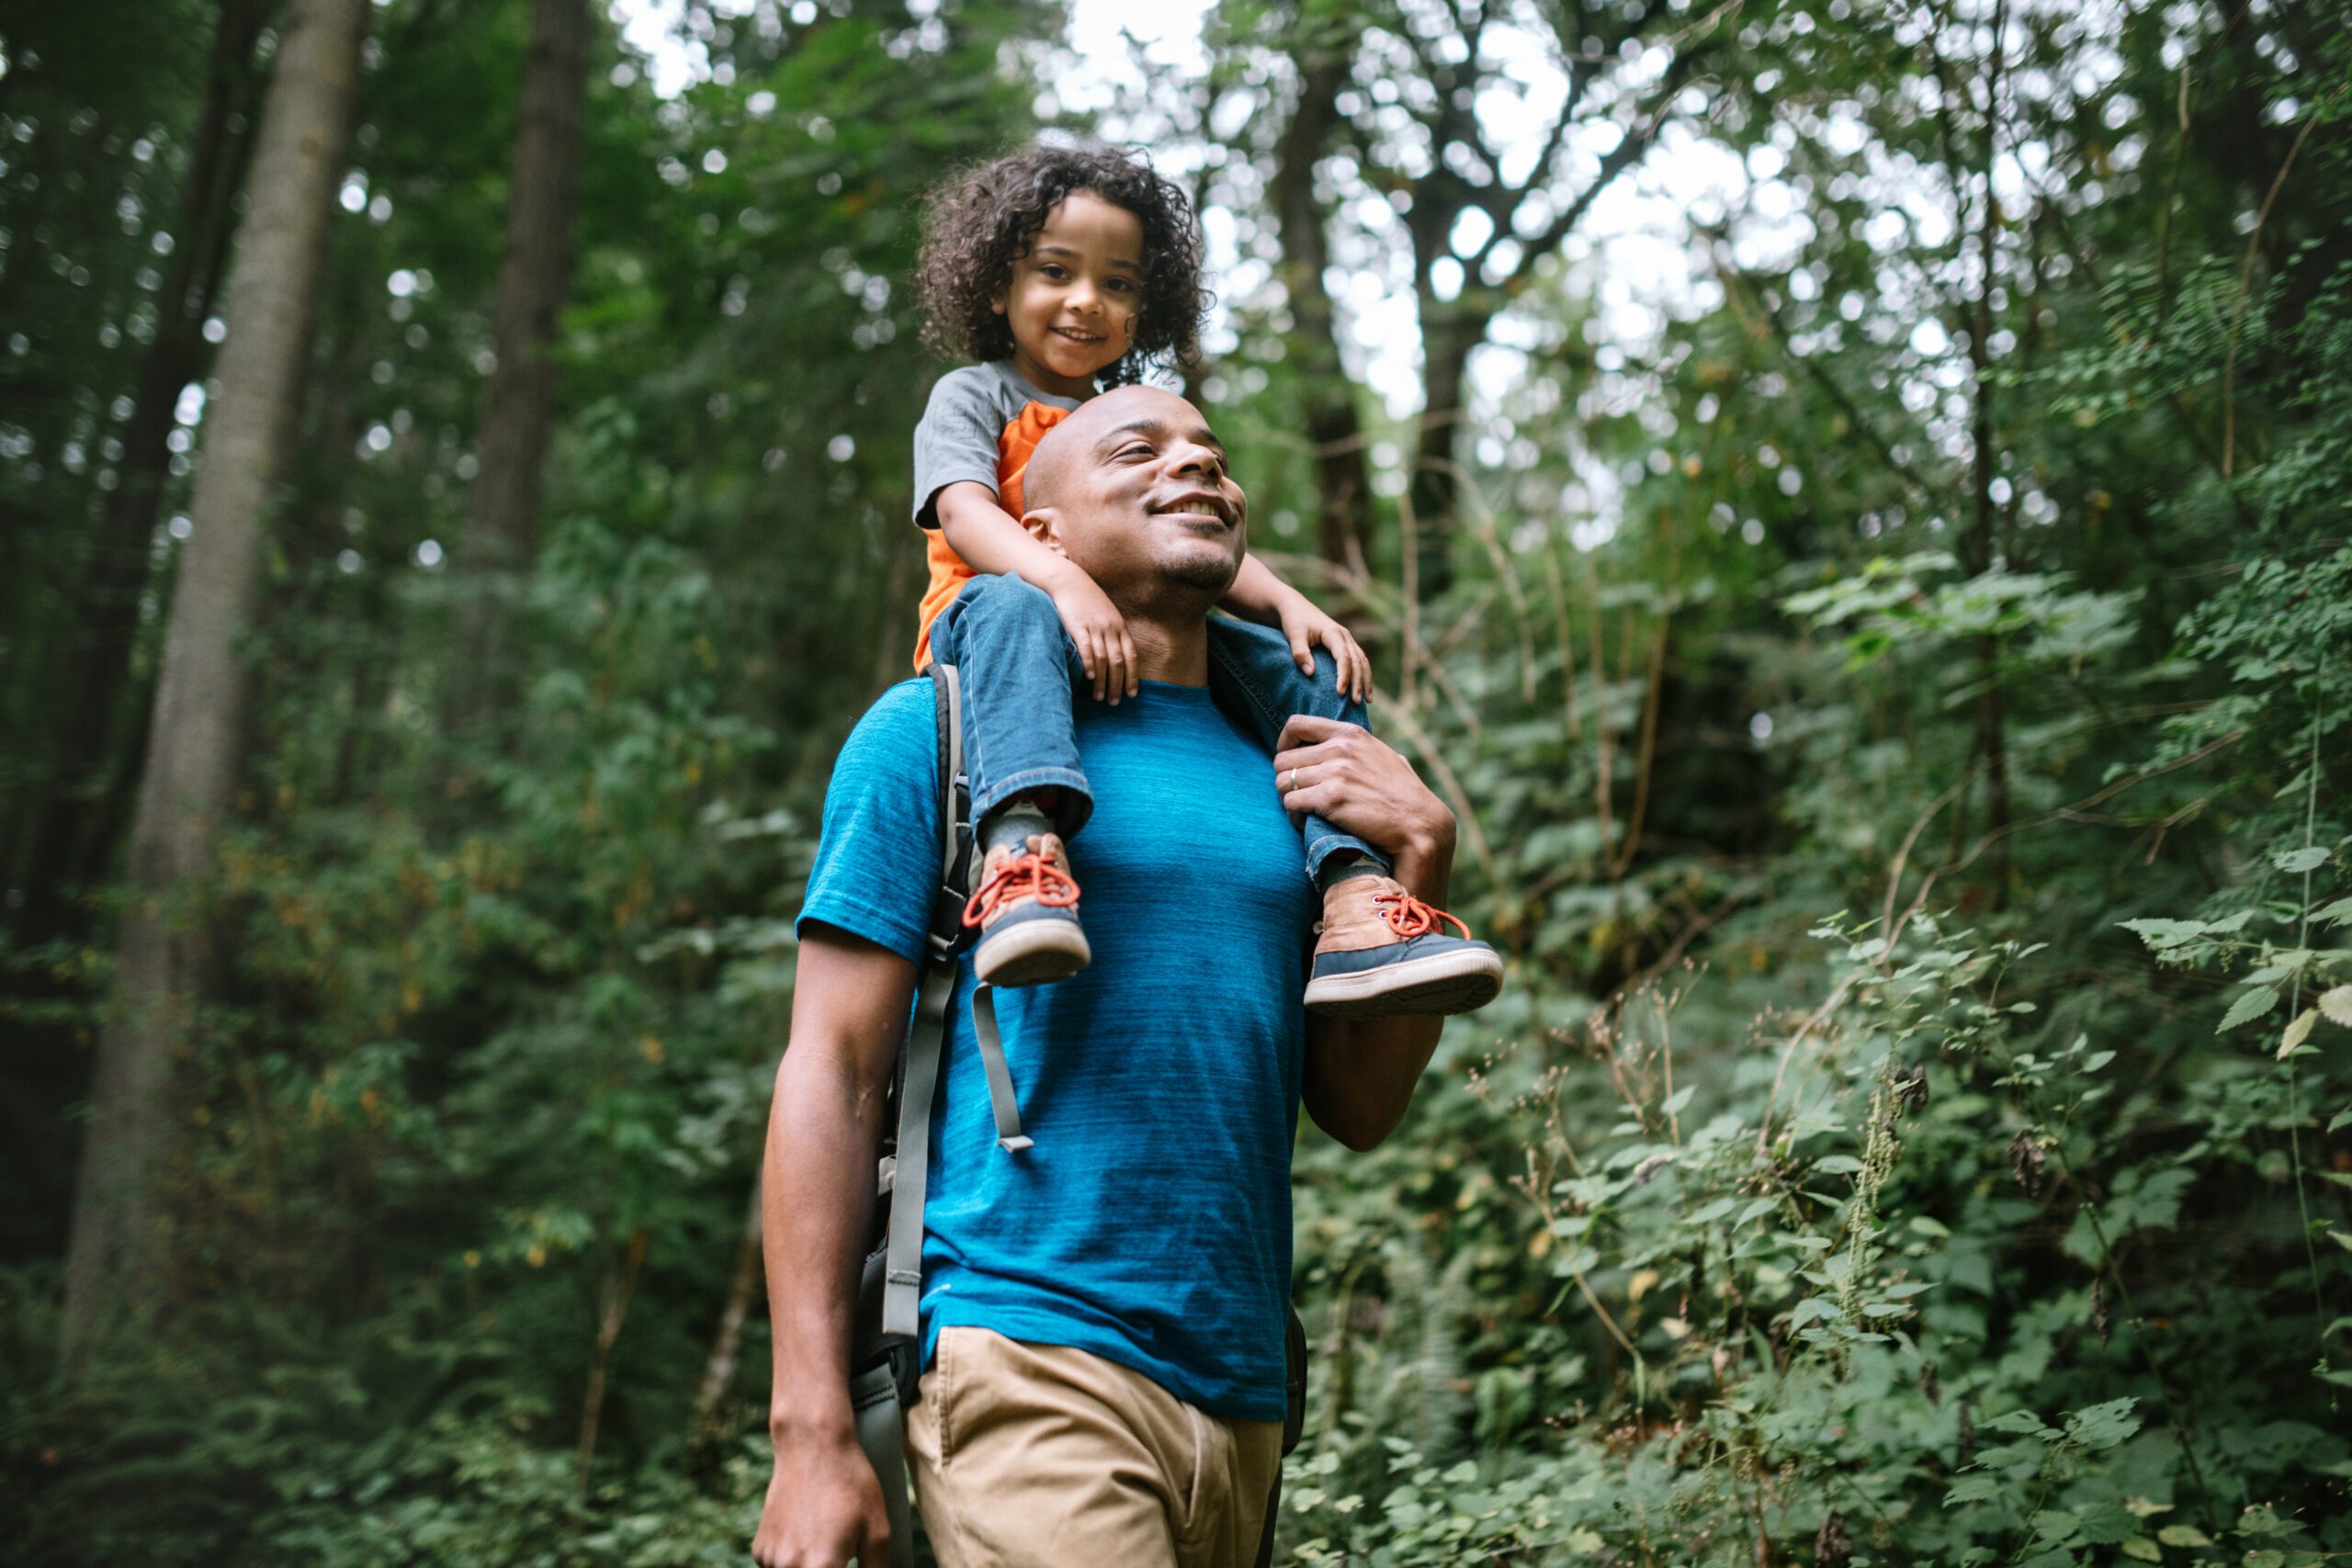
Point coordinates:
[(187, 782), (1478, 216), (502, 528), (1334, 429), (71, 826)]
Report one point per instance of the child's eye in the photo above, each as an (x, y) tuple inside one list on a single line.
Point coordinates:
[(1055, 271)]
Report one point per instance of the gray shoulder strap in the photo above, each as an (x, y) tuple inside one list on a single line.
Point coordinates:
[(927, 1037), (902, 1259), (1001, 1102)]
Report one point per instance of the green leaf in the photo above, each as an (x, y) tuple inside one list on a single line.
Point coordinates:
[(2147, 1550), (2335, 1005), (2296, 861), (2183, 1535), (1979, 1488), (1813, 1309), (2106, 1522), (2022, 1423), (2251, 1004), (2262, 1520), (2103, 1426), (2162, 934), (2055, 1525), (1835, 1165)]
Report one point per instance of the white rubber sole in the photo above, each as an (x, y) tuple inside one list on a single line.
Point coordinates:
[(1440, 985), (1036, 952)]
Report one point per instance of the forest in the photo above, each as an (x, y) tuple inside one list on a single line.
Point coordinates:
[(1849, 501)]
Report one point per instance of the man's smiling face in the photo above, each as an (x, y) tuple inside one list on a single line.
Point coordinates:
[(1140, 498)]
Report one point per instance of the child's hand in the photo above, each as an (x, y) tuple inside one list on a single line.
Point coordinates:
[(1304, 626), (1095, 625)]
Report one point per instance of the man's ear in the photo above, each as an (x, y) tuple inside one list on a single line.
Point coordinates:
[(1043, 523)]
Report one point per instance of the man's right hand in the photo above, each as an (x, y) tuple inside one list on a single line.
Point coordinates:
[(1095, 625), (823, 1508)]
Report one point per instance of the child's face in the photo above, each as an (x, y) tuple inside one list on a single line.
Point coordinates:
[(1073, 297)]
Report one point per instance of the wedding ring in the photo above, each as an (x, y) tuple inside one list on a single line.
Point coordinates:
[(1290, 781)]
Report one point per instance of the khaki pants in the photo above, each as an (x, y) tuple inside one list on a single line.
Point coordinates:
[(1039, 1456)]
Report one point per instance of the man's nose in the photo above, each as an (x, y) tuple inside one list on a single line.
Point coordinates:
[(1192, 457)]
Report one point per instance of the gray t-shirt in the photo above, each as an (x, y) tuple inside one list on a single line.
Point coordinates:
[(956, 438)]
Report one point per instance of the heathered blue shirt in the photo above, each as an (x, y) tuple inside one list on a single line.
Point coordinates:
[(1150, 1223)]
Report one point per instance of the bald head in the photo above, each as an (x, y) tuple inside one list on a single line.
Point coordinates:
[(1132, 487), (1050, 459)]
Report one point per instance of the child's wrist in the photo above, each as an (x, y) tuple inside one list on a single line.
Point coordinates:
[(1060, 577)]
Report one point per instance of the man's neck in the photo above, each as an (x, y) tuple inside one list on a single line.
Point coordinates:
[(1174, 649)]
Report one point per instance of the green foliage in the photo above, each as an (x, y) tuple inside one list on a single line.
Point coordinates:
[(1905, 772)]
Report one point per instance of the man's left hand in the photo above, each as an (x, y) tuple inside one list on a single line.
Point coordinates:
[(1358, 784)]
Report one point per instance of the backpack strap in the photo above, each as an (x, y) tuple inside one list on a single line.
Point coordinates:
[(927, 1036), (881, 1432), (1001, 1102)]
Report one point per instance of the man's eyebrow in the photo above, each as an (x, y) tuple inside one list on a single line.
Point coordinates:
[(1070, 250), (1147, 425)]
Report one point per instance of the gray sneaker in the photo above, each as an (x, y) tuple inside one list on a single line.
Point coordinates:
[(1379, 952), (1026, 909)]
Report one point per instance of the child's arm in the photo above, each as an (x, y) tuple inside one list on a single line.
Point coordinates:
[(1259, 595), (990, 540)]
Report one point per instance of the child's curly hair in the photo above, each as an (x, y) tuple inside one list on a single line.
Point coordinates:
[(980, 222)]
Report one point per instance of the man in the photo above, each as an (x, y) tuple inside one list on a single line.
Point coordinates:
[(1103, 1311)]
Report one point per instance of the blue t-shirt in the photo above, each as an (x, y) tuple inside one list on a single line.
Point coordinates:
[(1150, 1222)]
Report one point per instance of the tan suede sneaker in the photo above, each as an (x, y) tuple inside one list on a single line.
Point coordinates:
[(1379, 954), (1026, 911)]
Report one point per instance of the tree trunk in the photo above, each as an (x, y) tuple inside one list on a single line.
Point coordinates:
[(1992, 723), (71, 826), (1343, 492), (502, 527), (189, 774), (1446, 340)]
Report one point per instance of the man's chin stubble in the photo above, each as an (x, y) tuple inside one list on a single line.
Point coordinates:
[(1210, 575)]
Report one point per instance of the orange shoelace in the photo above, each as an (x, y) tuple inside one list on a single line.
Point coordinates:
[(1026, 875), (1408, 916)]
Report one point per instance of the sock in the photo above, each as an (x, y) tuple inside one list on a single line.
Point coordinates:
[(1010, 825), (1343, 864)]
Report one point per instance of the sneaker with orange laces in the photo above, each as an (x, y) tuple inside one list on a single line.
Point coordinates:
[(1026, 909), (1380, 953)]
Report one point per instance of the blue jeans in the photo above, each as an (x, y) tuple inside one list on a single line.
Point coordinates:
[(1021, 673)]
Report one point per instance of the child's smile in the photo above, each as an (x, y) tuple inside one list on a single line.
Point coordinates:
[(1072, 301)]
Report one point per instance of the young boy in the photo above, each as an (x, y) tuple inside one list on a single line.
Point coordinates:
[(1060, 269)]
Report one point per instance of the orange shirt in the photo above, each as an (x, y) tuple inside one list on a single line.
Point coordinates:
[(949, 571)]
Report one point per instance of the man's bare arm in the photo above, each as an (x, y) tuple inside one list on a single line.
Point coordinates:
[(849, 1008), (1360, 1074)]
